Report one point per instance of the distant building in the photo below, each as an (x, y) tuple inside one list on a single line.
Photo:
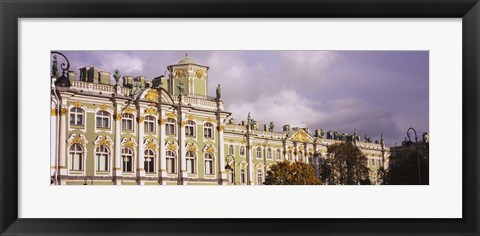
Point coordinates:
[(170, 131)]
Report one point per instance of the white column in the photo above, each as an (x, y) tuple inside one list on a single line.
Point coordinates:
[(141, 151), (53, 140), (163, 160), (222, 177), (63, 140), (250, 162), (181, 150), (305, 153), (117, 170)]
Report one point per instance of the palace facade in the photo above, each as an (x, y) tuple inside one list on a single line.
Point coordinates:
[(169, 131)]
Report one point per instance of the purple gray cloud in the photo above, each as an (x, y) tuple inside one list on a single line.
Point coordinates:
[(373, 91)]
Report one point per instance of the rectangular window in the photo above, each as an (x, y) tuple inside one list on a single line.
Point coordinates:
[(77, 161), (102, 122), (171, 165), (127, 124), (243, 178), (170, 128), (208, 167), (149, 126), (102, 162), (190, 166), (189, 131), (373, 162)]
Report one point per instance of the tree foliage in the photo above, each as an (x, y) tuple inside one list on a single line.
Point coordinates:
[(288, 173), (345, 165), (403, 168)]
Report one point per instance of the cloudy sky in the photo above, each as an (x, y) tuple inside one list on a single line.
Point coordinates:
[(372, 91)]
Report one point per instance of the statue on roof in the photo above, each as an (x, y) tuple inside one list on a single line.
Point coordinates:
[(249, 119), (137, 86), (270, 127), (117, 76), (322, 133), (219, 92), (55, 67), (180, 87), (381, 138)]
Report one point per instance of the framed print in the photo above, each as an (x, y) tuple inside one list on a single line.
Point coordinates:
[(239, 117)]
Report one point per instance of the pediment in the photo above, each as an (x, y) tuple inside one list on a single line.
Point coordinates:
[(300, 135)]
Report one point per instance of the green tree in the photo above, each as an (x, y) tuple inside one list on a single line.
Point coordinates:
[(287, 173), (345, 164), (403, 167)]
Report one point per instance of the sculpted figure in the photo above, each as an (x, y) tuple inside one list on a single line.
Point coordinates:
[(219, 92), (117, 76)]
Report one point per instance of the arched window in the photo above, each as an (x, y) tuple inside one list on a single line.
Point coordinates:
[(171, 163), (76, 116), (127, 158), (170, 126), (149, 124), (190, 128), (209, 164), (208, 130), (243, 176), (259, 176), (149, 161), (190, 162), (269, 154), (259, 153), (103, 119), (102, 156), (231, 150), (242, 151), (76, 157), (127, 121), (279, 155)]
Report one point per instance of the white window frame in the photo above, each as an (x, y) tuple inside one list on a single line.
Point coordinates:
[(269, 154), (260, 177), (126, 118), (76, 154), (278, 154), (98, 153), (191, 162), (190, 125), (170, 125), (149, 153), (78, 115), (208, 126), (208, 162), (104, 116), (148, 122), (128, 154), (258, 153), (242, 148), (173, 159)]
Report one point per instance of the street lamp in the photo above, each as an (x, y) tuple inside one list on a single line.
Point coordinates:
[(85, 180), (229, 168), (416, 151)]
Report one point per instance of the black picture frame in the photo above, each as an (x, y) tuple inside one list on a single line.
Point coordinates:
[(11, 11)]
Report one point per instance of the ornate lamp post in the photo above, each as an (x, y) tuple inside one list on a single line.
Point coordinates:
[(229, 168), (85, 180), (415, 148)]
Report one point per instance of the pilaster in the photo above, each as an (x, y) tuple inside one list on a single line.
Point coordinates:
[(141, 149), (117, 169)]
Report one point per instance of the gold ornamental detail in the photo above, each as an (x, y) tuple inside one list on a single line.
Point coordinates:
[(171, 115), (151, 111), (53, 112), (210, 120), (77, 104), (78, 140), (171, 147), (141, 119), (221, 128), (129, 110), (199, 74), (63, 111), (183, 123), (103, 107), (151, 145), (210, 149), (162, 121), (129, 144), (300, 136), (190, 117), (117, 117), (152, 95), (181, 72), (191, 147)]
